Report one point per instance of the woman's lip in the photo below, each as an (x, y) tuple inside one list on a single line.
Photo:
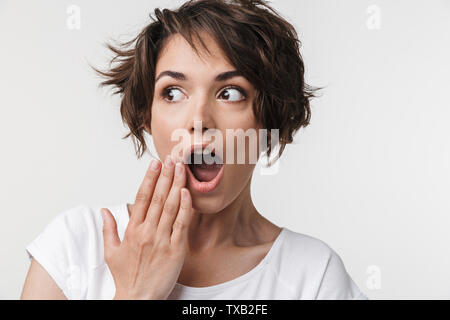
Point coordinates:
[(205, 186)]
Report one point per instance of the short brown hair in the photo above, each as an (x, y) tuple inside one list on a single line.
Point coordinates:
[(261, 44)]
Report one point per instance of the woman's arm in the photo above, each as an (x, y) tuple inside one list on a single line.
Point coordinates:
[(39, 285)]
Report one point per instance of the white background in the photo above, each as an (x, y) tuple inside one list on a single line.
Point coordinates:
[(369, 176)]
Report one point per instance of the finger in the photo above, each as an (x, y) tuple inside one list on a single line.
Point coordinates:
[(145, 193), (181, 224), (110, 236), (172, 204), (160, 193)]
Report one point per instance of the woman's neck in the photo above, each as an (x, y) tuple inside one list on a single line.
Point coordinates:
[(237, 224)]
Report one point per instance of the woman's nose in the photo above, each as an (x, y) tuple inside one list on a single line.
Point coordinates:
[(200, 126), (201, 115)]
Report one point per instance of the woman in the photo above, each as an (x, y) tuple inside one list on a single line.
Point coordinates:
[(193, 231)]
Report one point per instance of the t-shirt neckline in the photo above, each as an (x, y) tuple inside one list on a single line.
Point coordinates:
[(209, 289)]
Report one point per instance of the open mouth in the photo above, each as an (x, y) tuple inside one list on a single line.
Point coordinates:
[(204, 166), (205, 169)]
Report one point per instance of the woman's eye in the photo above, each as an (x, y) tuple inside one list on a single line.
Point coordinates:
[(172, 94), (232, 94)]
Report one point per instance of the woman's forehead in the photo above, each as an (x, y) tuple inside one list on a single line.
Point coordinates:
[(178, 54)]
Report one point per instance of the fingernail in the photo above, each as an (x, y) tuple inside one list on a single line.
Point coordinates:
[(102, 211), (155, 165), (169, 162), (178, 168)]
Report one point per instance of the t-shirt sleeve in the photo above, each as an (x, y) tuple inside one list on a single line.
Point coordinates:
[(56, 248), (336, 283)]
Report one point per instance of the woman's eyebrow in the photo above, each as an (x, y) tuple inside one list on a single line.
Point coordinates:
[(180, 76), (173, 74), (228, 75)]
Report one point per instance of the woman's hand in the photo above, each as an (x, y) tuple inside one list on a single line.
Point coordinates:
[(147, 263)]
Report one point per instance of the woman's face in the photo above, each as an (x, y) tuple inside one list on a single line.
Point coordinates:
[(219, 105)]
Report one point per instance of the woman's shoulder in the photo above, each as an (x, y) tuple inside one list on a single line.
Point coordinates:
[(82, 223), (310, 262), (86, 219), (302, 252), (71, 245), (300, 246), (74, 236)]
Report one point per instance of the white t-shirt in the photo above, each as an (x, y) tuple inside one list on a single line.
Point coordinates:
[(297, 266)]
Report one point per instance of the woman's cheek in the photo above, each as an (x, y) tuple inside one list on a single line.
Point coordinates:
[(161, 134)]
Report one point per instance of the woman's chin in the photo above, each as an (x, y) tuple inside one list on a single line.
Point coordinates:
[(206, 204), (207, 195)]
